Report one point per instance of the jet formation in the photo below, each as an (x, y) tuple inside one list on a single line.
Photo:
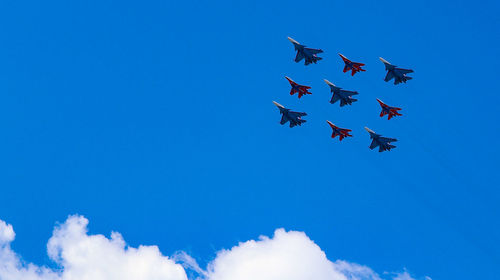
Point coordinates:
[(310, 55)]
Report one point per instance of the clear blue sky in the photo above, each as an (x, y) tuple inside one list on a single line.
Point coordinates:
[(155, 119)]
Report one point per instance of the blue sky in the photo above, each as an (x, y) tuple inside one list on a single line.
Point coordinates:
[(155, 120)]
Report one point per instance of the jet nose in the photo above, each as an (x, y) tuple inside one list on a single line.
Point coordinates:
[(328, 82), (278, 105), (369, 130), (384, 61), (293, 41)]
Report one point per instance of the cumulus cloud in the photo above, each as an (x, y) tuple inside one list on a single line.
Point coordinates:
[(289, 255), (11, 266), (7, 234), (89, 257), (79, 256)]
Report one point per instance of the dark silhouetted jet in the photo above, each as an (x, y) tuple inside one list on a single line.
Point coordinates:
[(339, 94), (393, 72), (310, 55), (290, 116), (296, 88), (388, 110), (341, 132), (383, 143), (354, 66)]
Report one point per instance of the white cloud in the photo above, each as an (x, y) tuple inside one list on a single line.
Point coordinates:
[(90, 257), (288, 255), (355, 271), (11, 266), (7, 234), (79, 256), (406, 276)]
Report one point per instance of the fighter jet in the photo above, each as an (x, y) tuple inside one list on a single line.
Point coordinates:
[(296, 88), (287, 115), (388, 110), (383, 143), (399, 74), (305, 53), (341, 132), (339, 94), (354, 66)]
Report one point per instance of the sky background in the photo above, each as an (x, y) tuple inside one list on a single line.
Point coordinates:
[(154, 119)]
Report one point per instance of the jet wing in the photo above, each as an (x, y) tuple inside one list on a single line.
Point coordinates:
[(314, 51), (373, 145), (405, 71), (299, 56), (389, 76), (335, 98), (385, 139), (348, 92), (298, 114), (283, 119)]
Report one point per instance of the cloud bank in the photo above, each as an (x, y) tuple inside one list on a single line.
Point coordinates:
[(288, 255)]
